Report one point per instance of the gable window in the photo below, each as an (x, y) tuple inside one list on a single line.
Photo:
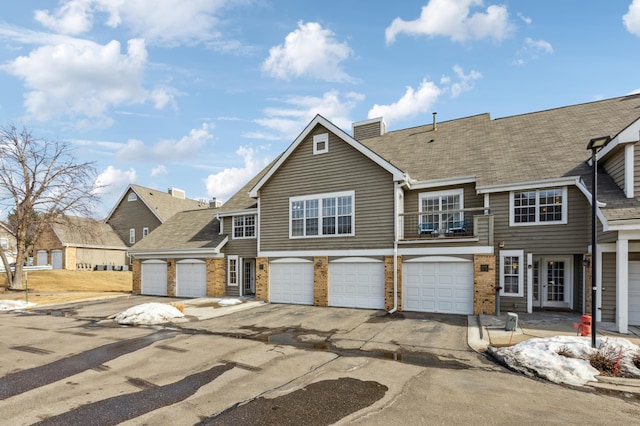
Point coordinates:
[(244, 226), (321, 143), (4, 243), (145, 232), (511, 273), (322, 215), (132, 196), (538, 207), (232, 267), (443, 210), (132, 236)]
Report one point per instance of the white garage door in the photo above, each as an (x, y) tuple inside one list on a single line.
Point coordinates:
[(444, 287), (56, 259), (41, 257), (634, 293), (356, 284), (154, 277), (291, 282), (191, 278)]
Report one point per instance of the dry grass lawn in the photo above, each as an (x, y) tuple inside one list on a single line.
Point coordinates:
[(47, 287)]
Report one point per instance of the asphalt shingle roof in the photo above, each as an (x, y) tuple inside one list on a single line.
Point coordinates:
[(82, 231), (164, 204)]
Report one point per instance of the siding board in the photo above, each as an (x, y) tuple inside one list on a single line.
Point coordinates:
[(615, 168)]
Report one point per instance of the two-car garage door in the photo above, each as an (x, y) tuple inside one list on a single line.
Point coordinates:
[(438, 285)]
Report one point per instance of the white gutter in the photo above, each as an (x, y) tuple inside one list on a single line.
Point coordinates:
[(396, 188)]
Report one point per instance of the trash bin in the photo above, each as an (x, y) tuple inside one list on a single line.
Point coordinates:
[(512, 321)]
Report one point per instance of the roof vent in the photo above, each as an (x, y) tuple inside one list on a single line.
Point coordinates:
[(435, 124), (214, 203), (369, 128), (175, 192)]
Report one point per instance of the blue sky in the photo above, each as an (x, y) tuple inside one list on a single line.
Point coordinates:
[(201, 94)]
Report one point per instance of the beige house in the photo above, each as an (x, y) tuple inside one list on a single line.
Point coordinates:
[(77, 243), (7, 244)]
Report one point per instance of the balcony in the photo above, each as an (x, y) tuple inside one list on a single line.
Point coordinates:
[(476, 223)]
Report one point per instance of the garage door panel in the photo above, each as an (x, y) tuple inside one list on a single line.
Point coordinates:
[(356, 285), (154, 279), (444, 287), (191, 279), (291, 283)]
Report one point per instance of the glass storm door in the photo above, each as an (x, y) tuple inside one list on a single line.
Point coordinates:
[(248, 276), (555, 278)]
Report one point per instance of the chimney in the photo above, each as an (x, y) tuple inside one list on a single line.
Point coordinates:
[(175, 192), (214, 203), (435, 124), (369, 128)]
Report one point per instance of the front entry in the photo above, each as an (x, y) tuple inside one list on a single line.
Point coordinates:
[(552, 282), (248, 276)]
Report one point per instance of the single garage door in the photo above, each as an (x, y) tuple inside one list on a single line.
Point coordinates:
[(634, 293), (291, 281), (154, 277), (191, 278), (56, 259), (356, 284), (41, 257), (438, 286)]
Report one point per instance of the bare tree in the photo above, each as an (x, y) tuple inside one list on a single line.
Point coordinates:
[(40, 181)]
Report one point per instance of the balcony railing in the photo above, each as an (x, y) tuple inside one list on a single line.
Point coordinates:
[(462, 223)]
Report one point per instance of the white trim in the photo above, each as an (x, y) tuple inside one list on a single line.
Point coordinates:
[(319, 198), (629, 155), (145, 231), (356, 260), (317, 140), (130, 187), (530, 283), (191, 261), (132, 235), (238, 212), (598, 284), (565, 208), (398, 175), (437, 259), (583, 188), (627, 135), (237, 262), (244, 227), (512, 253), (622, 286), (201, 252), (536, 184), (97, 247), (291, 260), (332, 253), (435, 183), (410, 251), (154, 261), (132, 196)]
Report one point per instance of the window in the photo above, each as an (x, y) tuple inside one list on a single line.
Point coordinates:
[(511, 273), (4, 243), (538, 207), (132, 196), (444, 209), (132, 236), (232, 267), (322, 215), (321, 143), (244, 226), (145, 232)]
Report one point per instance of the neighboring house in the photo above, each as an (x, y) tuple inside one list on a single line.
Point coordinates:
[(7, 244), (452, 217), (140, 210), (77, 243)]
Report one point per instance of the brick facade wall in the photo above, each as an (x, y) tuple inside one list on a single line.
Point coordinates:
[(321, 281), (388, 282), (216, 277), (47, 241), (171, 277), (484, 284), (136, 272), (262, 279)]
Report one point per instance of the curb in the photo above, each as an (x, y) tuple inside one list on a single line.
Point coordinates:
[(476, 338)]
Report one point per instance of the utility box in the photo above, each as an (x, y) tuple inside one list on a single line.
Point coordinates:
[(512, 321)]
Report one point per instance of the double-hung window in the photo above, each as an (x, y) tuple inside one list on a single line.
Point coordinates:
[(322, 215), (443, 210), (538, 207), (244, 226), (511, 273), (4, 243)]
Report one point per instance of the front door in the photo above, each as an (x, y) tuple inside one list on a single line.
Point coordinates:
[(248, 276), (552, 282)]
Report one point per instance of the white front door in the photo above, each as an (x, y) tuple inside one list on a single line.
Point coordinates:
[(553, 282)]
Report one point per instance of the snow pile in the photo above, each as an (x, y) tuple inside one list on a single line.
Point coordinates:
[(149, 314), (229, 302), (539, 357), (10, 305)]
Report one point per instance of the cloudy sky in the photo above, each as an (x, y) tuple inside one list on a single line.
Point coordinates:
[(201, 94)]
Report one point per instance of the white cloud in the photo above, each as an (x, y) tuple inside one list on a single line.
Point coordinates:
[(226, 183), (310, 51), (413, 102), (465, 82), (632, 18), (84, 79), (160, 170), (532, 50), (455, 19), (168, 149), (165, 22), (526, 19), (286, 122), (114, 179)]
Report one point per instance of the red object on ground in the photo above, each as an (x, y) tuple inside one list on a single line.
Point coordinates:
[(585, 325)]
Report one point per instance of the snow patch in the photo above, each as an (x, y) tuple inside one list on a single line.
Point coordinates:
[(150, 314), (229, 302), (10, 305)]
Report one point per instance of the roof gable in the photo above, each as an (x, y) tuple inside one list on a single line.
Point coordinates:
[(81, 231), (397, 174)]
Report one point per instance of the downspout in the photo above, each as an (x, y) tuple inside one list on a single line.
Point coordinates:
[(395, 249)]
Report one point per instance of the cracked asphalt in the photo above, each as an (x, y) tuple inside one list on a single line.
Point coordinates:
[(272, 364)]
